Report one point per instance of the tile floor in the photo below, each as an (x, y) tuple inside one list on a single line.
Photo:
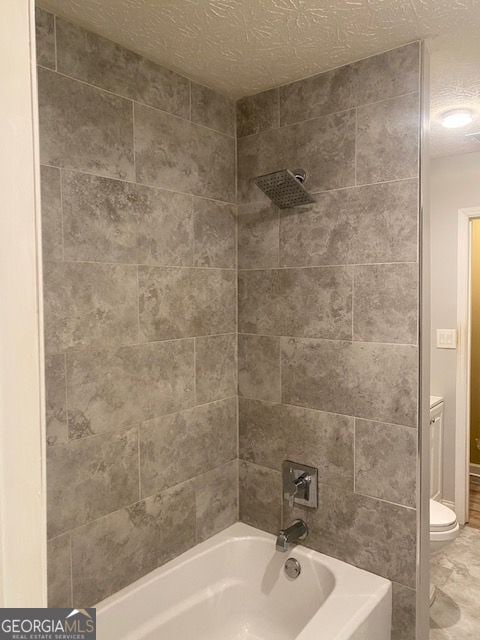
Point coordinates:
[(455, 614)]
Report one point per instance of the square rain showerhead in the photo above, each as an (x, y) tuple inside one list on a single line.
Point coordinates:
[(284, 189)]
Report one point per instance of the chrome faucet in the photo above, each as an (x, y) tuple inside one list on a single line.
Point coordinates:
[(296, 532)]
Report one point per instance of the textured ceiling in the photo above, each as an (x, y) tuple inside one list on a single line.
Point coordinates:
[(455, 82), (240, 47)]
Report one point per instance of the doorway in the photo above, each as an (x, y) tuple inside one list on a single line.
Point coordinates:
[(467, 468), (474, 420)]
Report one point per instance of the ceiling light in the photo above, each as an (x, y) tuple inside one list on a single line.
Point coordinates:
[(456, 118)]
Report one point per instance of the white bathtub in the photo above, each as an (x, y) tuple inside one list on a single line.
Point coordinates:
[(234, 587)]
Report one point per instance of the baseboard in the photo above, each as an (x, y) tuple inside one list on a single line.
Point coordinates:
[(474, 469)]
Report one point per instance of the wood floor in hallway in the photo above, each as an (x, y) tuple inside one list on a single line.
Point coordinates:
[(474, 516)]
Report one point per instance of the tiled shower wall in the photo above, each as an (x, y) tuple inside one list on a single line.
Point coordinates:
[(328, 313), (139, 243), (139, 235)]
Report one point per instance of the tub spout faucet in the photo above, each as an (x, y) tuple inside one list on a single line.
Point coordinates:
[(296, 532)]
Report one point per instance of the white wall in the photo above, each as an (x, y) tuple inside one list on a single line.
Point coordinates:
[(454, 183)]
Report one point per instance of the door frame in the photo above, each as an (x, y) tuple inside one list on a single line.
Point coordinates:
[(462, 412), (23, 574)]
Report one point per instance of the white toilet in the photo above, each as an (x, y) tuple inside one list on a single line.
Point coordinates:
[(444, 527)]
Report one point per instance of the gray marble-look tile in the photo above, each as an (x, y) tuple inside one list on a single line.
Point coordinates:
[(183, 445), (109, 220), (119, 548), (463, 556), (312, 302), (388, 139), (386, 461), (214, 225), (178, 303), (258, 236), (216, 500), (385, 303), (257, 113), (376, 223), (109, 390), (215, 367), (52, 223), (45, 38), (455, 572), (260, 492), (404, 612), (85, 55), (90, 477), (324, 148), (319, 95), (270, 433), (84, 128), (368, 533), (259, 367), (59, 575), (56, 399), (393, 73), (389, 74), (212, 109), (439, 574), (89, 305), (182, 156), (368, 380)]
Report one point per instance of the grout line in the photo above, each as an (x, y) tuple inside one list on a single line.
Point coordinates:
[(320, 338), (134, 143), (334, 485), (141, 104), (262, 202), (278, 124), (71, 567), (140, 264), (190, 101), (55, 42), (195, 370), (395, 504), (325, 266), (138, 423), (330, 413), (355, 147), (139, 463), (67, 417), (138, 184), (354, 453), (331, 113), (138, 302), (340, 66), (154, 495), (129, 345), (62, 217), (353, 304)]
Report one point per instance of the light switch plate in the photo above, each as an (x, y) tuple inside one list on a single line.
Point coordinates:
[(446, 338)]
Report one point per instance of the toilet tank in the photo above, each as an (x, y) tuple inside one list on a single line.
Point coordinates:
[(436, 448)]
